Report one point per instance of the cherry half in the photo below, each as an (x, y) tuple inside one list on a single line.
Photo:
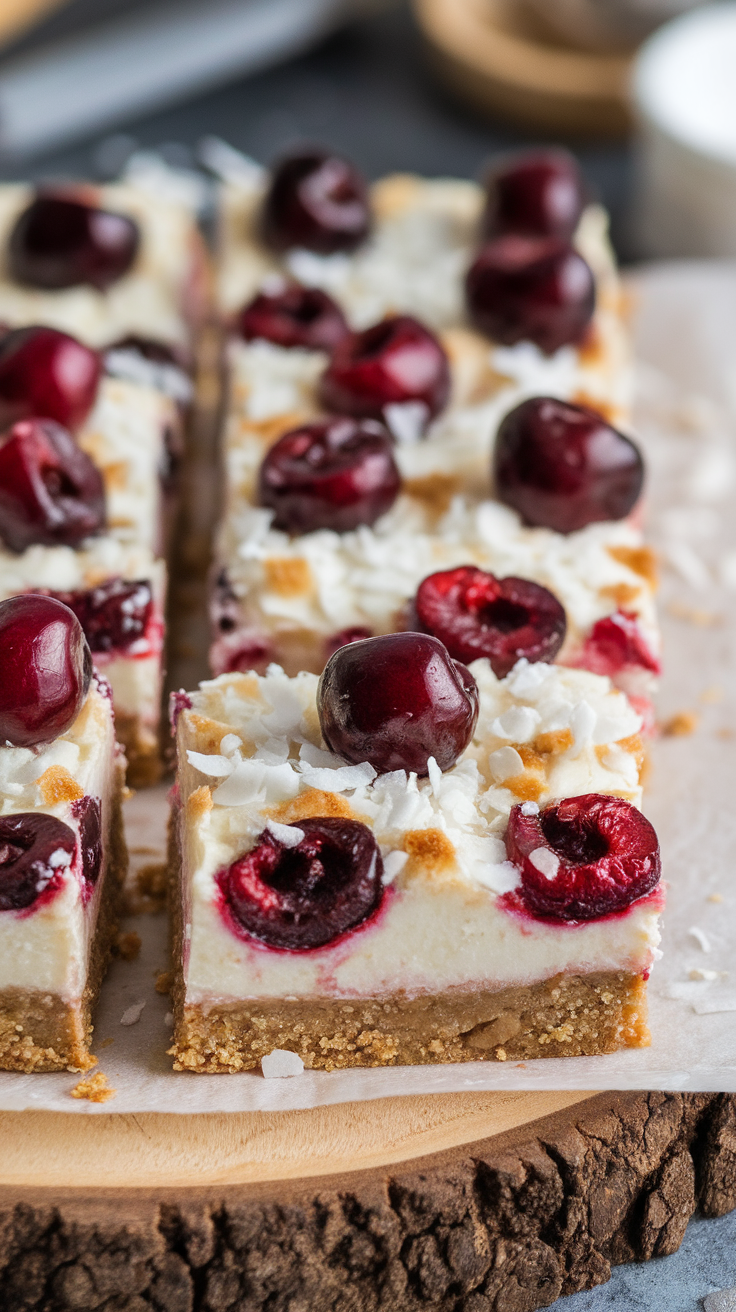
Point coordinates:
[(114, 615), (296, 316), (51, 493), (583, 857), (538, 193), (561, 466), (87, 811), (475, 614), (396, 361), (333, 473), (307, 895), (29, 841), (45, 669), (316, 201), (45, 374), (395, 701), (59, 241), (536, 289)]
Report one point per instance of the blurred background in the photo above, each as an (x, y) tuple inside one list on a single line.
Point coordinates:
[(434, 86)]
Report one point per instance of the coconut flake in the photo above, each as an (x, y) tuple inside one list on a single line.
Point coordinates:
[(545, 861), (393, 864), (281, 1064), (701, 938), (505, 764), (339, 780), (60, 858), (435, 776), (530, 808), (286, 835), (215, 766), (132, 1015), (520, 723), (501, 877), (407, 420)]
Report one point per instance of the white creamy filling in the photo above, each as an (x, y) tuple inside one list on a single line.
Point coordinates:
[(69, 569), (136, 684), (439, 929), (47, 948), (147, 301)]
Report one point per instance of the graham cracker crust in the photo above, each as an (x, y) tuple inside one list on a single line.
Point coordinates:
[(40, 1031), (567, 1016), (142, 749)]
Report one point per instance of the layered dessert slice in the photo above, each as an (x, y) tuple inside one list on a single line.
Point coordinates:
[(524, 261), (62, 849), (88, 519), (409, 861), (112, 264), (330, 529)]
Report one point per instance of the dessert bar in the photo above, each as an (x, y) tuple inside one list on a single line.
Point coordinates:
[(62, 849), (409, 862)]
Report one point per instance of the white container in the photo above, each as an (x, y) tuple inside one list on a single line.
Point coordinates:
[(685, 93)]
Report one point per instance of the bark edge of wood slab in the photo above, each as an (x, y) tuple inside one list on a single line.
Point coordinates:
[(505, 1224)]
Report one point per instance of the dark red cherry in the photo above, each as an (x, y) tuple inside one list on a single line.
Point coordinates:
[(561, 466), (59, 241), (32, 851), (538, 192), (45, 669), (317, 201), (115, 615), (396, 361), (583, 857), (50, 491), (536, 289), (307, 895), (341, 639), (333, 473), (158, 352), (87, 811), (475, 614), (45, 374), (296, 316), (616, 643), (395, 701)]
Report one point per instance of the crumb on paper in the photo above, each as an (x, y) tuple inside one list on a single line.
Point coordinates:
[(707, 976), (281, 1064), (151, 881), (128, 793), (500, 1054), (721, 1300), (163, 981), (127, 946), (701, 938), (712, 695), (132, 1015), (105, 1043), (725, 732), (169, 1019), (702, 619), (94, 1088), (681, 724), (715, 897)]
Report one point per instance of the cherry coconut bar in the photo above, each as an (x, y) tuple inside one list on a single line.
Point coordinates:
[(62, 849), (465, 876), (420, 242)]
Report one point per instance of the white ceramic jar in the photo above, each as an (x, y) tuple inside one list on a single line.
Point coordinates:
[(685, 93)]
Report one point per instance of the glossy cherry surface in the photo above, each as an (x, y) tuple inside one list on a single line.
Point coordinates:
[(114, 615), (333, 473), (307, 895), (583, 857), (536, 289), (616, 643), (45, 669), (45, 374), (538, 193), (475, 614), (31, 855), (396, 361), (88, 813), (50, 491), (395, 701), (317, 201), (561, 466), (59, 241), (296, 316)]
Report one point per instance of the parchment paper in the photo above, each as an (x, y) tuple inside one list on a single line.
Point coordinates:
[(686, 420)]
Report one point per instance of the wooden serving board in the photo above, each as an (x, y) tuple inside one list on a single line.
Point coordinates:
[(495, 54), (462, 1202)]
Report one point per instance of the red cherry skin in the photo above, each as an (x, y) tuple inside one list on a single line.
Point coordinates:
[(316, 201), (114, 615), (606, 853), (333, 473), (59, 241), (616, 643), (304, 897), (561, 466), (297, 316), (50, 491), (344, 636), (536, 289), (45, 669), (396, 361), (395, 701), (45, 374), (28, 840), (475, 614), (538, 193)]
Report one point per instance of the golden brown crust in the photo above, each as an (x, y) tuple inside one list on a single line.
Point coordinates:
[(568, 1016), (141, 748), (40, 1031)]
